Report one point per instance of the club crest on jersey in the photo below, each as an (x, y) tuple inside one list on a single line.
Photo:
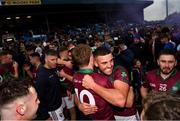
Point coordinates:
[(175, 88), (123, 74)]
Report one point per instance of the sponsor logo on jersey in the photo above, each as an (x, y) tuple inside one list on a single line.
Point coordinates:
[(152, 85)]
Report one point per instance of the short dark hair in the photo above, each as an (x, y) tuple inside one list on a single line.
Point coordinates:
[(51, 52), (161, 106), (101, 51), (13, 88), (35, 54), (62, 49), (30, 48), (167, 52), (135, 61), (164, 35), (81, 54)]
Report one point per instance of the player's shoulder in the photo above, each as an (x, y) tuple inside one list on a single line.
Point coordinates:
[(101, 79), (99, 76), (152, 72), (119, 69), (76, 74)]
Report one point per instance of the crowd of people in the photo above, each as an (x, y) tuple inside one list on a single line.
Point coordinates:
[(94, 72)]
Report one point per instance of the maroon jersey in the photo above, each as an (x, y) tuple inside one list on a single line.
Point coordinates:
[(6, 70), (35, 71), (89, 96), (120, 73), (154, 81), (68, 82)]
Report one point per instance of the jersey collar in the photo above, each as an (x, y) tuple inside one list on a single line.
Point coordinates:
[(172, 74), (86, 71)]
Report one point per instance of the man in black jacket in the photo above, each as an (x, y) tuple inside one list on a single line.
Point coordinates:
[(49, 89)]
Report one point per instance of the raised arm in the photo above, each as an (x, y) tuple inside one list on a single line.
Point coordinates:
[(114, 96)]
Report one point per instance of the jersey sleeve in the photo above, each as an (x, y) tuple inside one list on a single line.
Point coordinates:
[(146, 84), (121, 74)]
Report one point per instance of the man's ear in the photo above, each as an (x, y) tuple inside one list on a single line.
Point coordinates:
[(45, 59), (176, 63), (158, 61), (21, 109)]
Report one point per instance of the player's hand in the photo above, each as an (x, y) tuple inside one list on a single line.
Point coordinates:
[(87, 108), (62, 73), (88, 82)]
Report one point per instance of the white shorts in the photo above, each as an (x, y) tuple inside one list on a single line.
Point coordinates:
[(58, 115), (69, 103), (127, 118)]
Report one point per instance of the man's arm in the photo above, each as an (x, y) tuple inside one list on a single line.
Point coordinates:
[(85, 107), (29, 73), (144, 92), (130, 98), (145, 87), (67, 76), (115, 96), (121, 75), (16, 72)]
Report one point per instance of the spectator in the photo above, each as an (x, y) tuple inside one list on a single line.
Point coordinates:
[(138, 47), (36, 62), (8, 67), (137, 78), (125, 57)]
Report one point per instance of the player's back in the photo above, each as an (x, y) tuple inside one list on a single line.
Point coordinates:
[(85, 95)]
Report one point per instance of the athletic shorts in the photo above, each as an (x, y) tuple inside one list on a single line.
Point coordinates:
[(58, 115), (128, 118), (69, 103)]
